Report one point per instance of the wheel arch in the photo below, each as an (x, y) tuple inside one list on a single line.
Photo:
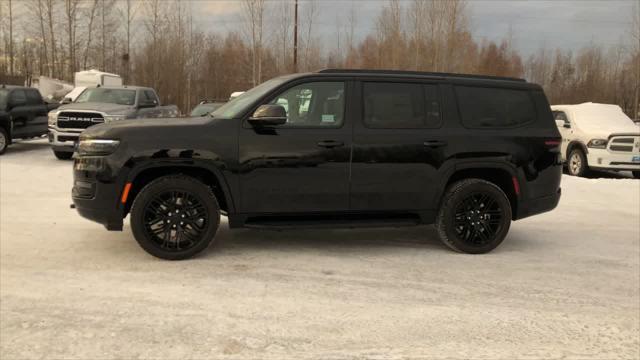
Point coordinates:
[(576, 144), (502, 175), (142, 176)]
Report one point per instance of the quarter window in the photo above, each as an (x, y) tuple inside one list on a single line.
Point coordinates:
[(401, 105), (494, 107), (314, 104)]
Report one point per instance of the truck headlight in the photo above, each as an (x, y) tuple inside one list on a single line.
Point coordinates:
[(598, 143), (97, 146), (110, 118), (53, 118)]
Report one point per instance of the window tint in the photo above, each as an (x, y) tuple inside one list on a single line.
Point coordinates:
[(401, 106), (315, 104), (559, 115), (18, 97), (150, 95), (33, 97), (493, 107)]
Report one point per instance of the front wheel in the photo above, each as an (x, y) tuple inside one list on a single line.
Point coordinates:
[(577, 164), (63, 155), (175, 217), (474, 217), (4, 140)]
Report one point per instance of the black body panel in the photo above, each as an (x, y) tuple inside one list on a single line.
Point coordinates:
[(281, 175)]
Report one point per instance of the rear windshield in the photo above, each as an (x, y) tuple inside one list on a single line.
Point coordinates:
[(110, 96), (482, 107)]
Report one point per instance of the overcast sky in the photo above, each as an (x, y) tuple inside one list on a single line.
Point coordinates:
[(564, 24)]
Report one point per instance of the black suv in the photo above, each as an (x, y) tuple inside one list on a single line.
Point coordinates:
[(332, 148)]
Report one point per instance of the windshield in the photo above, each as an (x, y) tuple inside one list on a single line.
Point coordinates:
[(3, 99), (204, 109), (110, 96), (237, 106)]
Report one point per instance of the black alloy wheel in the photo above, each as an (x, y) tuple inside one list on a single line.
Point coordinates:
[(175, 217), (474, 217)]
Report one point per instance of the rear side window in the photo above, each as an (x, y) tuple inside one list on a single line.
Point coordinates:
[(401, 105), (482, 107)]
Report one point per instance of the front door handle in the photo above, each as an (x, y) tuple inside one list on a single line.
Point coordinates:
[(434, 143), (330, 143)]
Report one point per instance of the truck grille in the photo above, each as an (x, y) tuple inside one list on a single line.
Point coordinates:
[(624, 144), (78, 120)]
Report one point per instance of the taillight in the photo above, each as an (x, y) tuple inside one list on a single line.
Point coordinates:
[(553, 142)]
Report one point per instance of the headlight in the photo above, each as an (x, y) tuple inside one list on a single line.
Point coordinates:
[(97, 146), (598, 143), (53, 118), (110, 118)]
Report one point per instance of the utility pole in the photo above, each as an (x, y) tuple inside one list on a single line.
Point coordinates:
[(295, 38)]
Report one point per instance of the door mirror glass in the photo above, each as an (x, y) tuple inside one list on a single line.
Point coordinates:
[(269, 115)]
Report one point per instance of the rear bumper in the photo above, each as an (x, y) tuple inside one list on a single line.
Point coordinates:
[(539, 205)]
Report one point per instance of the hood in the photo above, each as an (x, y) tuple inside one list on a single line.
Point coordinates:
[(101, 107), (601, 120), (148, 128)]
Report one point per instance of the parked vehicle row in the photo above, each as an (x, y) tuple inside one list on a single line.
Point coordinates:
[(332, 148), (598, 137)]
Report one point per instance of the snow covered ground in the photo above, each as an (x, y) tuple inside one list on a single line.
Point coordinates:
[(563, 285)]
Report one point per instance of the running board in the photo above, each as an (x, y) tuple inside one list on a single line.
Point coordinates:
[(277, 224)]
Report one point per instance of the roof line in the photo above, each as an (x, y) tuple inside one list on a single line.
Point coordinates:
[(418, 73)]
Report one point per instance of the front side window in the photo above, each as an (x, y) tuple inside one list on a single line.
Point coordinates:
[(18, 97), (401, 105), (110, 96), (33, 97), (482, 107), (314, 104)]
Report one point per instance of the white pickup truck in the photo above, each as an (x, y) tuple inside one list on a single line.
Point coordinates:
[(598, 136)]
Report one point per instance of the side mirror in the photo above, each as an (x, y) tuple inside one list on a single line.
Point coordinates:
[(567, 125), (269, 115)]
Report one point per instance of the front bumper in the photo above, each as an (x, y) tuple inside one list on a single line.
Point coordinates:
[(606, 160), (97, 198), (63, 140)]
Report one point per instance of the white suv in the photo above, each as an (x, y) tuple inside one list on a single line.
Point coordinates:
[(598, 136)]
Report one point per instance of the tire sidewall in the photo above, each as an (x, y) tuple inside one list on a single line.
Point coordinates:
[(449, 216), (3, 133), (583, 162), (150, 191)]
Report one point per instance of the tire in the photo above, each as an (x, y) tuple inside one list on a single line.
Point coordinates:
[(636, 174), (160, 206), (63, 155), (577, 163), (4, 140), (482, 231)]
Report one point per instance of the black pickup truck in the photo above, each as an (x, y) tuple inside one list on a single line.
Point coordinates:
[(23, 114)]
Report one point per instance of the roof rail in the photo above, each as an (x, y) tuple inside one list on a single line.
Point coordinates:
[(419, 73)]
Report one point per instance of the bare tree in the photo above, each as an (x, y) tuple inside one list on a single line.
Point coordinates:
[(11, 54), (92, 16), (254, 13), (71, 11), (311, 13)]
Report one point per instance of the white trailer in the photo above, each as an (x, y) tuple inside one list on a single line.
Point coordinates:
[(93, 78)]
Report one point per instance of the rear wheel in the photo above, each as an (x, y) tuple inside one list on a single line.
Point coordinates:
[(175, 217), (474, 217), (577, 164), (4, 140), (63, 155)]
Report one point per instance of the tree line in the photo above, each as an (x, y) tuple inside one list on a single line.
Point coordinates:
[(157, 43)]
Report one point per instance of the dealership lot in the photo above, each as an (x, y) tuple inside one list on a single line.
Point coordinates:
[(563, 285)]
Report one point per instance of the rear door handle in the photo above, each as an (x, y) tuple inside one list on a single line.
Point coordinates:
[(434, 143), (330, 143)]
